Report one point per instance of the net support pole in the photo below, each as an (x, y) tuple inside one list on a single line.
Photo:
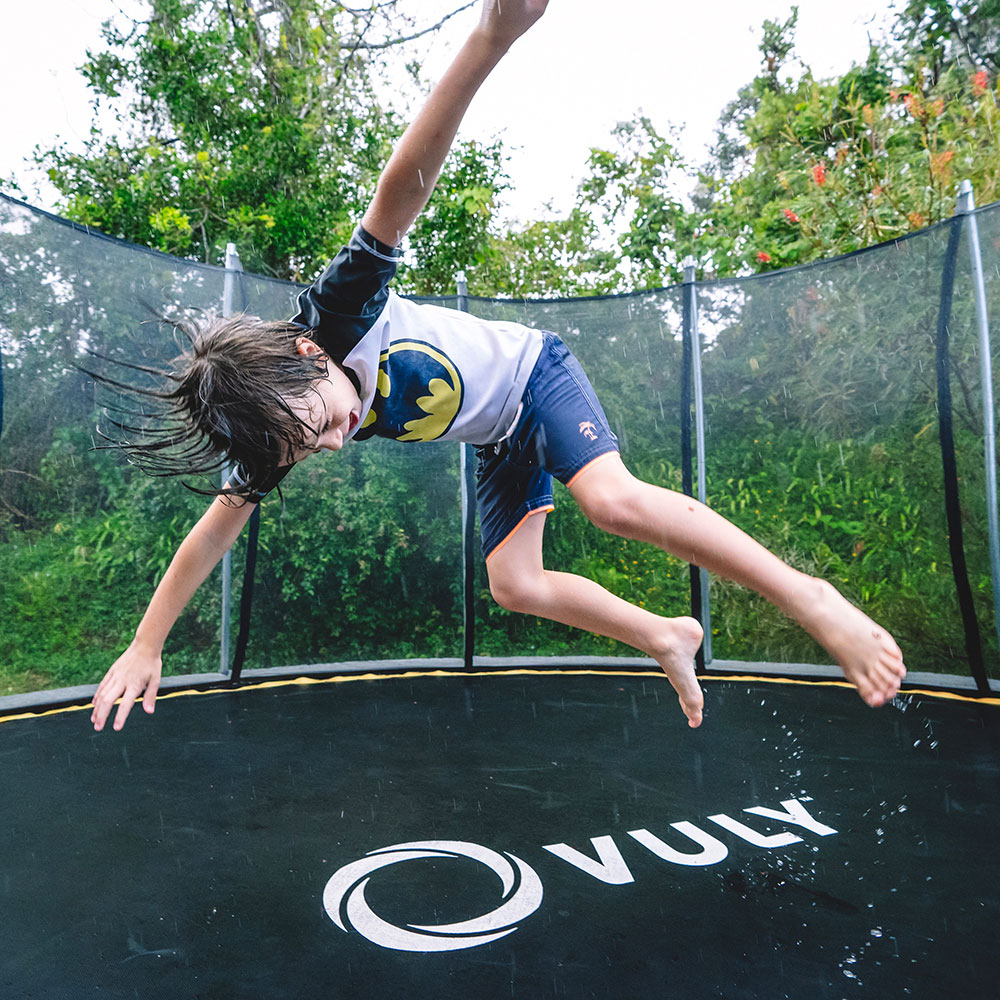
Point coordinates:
[(233, 266), (700, 605), (949, 462), (966, 205), (467, 463)]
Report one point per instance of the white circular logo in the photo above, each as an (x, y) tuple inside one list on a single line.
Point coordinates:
[(522, 895)]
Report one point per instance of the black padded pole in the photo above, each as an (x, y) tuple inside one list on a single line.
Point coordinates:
[(469, 553), (953, 510), (246, 598), (468, 474), (687, 459)]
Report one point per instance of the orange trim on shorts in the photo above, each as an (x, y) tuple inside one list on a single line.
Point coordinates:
[(593, 461), (513, 531)]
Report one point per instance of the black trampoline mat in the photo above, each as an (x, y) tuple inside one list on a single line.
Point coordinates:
[(188, 856)]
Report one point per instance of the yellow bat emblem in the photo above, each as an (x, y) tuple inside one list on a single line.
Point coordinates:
[(418, 393)]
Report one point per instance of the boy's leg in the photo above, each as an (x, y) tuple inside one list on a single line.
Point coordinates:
[(614, 500), (519, 582)]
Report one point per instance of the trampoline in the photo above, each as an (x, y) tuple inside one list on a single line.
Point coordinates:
[(506, 833), (427, 803)]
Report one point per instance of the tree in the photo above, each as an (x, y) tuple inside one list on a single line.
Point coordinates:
[(252, 122), (456, 229), (832, 166), (944, 33), (804, 168), (553, 257), (628, 230)]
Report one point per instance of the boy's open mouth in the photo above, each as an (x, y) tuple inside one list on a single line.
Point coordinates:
[(352, 421)]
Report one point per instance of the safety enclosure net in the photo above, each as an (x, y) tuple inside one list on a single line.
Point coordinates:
[(820, 390)]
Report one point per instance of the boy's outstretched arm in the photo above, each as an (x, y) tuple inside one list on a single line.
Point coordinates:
[(413, 169), (137, 671)]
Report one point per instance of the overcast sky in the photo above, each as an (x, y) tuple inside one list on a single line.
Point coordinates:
[(587, 65)]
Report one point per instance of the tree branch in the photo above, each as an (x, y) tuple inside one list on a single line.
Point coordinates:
[(358, 42), (345, 65), (360, 12)]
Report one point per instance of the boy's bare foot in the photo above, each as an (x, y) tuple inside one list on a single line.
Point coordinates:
[(681, 641), (866, 653)]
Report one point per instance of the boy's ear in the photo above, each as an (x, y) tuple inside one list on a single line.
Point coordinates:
[(306, 347)]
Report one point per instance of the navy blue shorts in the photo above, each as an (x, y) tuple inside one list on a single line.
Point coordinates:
[(560, 430)]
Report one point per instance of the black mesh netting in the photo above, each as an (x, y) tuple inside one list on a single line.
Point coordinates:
[(822, 441)]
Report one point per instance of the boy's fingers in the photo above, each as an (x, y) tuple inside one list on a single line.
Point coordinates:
[(102, 706), (149, 698), (128, 700)]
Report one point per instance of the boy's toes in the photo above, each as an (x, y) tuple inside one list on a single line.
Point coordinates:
[(872, 692), (885, 676), (692, 702), (868, 695), (879, 692)]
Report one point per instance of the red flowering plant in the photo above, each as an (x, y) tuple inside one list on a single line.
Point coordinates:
[(814, 167)]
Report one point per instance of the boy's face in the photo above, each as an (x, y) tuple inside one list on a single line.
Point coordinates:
[(331, 411)]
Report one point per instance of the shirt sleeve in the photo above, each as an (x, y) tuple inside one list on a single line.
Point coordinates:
[(258, 490), (344, 302)]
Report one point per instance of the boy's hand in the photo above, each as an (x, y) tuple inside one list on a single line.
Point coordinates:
[(134, 672), (504, 21)]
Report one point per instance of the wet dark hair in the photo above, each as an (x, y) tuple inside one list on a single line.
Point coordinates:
[(224, 399)]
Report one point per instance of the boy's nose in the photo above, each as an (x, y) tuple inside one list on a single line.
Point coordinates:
[(331, 441)]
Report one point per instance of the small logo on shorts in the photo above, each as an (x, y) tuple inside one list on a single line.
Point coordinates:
[(588, 430)]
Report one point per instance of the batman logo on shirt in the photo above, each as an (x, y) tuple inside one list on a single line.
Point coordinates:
[(417, 395)]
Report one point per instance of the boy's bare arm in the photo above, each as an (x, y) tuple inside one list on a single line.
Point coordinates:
[(137, 671), (412, 171)]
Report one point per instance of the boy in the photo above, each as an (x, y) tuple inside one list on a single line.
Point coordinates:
[(357, 360)]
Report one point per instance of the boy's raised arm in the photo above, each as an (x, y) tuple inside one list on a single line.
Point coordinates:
[(413, 169), (137, 671)]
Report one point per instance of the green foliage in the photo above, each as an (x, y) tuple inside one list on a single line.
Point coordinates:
[(802, 168), (78, 581), (942, 34), (359, 560), (259, 126), (251, 123), (557, 256), (457, 224), (638, 183), (868, 523), (832, 166)]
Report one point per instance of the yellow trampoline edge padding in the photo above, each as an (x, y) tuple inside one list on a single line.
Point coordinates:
[(303, 681)]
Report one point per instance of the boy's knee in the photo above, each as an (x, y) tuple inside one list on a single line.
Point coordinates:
[(513, 592)]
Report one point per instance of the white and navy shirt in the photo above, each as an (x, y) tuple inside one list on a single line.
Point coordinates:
[(424, 373)]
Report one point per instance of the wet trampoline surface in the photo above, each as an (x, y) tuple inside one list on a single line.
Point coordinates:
[(233, 846)]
